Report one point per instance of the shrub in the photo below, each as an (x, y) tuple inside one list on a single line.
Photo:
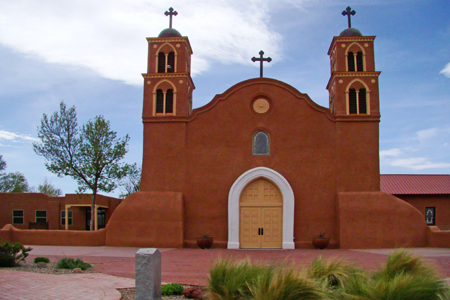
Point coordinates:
[(284, 283), (70, 263), (41, 259), (402, 262), (231, 280), (7, 261), (16, 253), (333, 273), (172, 289)]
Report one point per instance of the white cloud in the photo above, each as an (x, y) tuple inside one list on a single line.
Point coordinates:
[(390, 152), (14, 137), (418, 163), (426, 134), (109, 35), (446, 71)]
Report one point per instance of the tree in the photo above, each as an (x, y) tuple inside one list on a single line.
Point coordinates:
[(48, 188), (2, 163), (12, 182), (91, 155), (131, 183)]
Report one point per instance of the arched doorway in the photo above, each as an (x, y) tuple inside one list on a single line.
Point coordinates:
[(234, 205), (261, 215)]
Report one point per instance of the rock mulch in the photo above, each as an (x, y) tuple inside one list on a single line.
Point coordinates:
[(44, 268), (129, 294)]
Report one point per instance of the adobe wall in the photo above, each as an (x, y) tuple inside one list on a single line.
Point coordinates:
[(440, 202), (379, 220), (438, 238), (53, 237), (216, 149), (30, 202), (147, 219)]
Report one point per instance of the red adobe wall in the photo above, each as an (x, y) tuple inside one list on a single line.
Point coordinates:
[(379, 220), (30, 202), (147, 219), (53, 237), (440, 202), (438, 238)]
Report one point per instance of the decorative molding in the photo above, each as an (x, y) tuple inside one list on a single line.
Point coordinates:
[(288, 205)]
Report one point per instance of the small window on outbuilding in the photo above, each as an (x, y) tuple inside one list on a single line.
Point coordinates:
[(261, 143), (63, 217), (430, 215), (41, 216), (17, 217)]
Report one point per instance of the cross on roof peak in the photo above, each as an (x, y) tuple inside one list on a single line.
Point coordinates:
[(261, 60), (170, 13), (349, 12)]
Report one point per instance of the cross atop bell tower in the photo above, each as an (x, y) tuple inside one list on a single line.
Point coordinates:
[(171, 13), (168, 85), (349, 12)]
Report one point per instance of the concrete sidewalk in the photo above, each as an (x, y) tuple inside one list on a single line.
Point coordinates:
[(184, 266)]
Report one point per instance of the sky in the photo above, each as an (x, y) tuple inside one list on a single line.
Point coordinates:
[(91, 54)]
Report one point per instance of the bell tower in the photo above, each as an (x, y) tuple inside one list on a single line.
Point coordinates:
[(354, 101), (353, 85), (168, 85)]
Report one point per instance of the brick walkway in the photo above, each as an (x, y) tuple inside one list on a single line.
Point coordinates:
[(185, 266), (16, 285)]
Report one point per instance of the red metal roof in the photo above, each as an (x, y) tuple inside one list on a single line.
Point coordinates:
[(415, 184)]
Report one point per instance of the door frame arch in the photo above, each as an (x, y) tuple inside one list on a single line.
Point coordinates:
[(288, 205)]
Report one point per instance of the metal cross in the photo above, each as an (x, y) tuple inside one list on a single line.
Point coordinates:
[(349, 12), (171, 13), (261, 59)]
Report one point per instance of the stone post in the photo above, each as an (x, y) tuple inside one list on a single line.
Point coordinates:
[(148, 274)]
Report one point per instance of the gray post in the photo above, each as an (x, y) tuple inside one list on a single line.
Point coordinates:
[(148, 274)]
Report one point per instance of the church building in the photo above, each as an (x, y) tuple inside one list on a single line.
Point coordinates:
[(262, 165)]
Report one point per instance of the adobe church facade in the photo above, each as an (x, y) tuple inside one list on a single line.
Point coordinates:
[(262, 165)]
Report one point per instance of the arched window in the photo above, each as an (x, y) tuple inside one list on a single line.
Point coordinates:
[(359, 62), (353, 107), (164, 102), (351, 62), (169, 101), (261, 143), (362, 104), (159, 102), (161, 62), (171, 63), (357, 101)]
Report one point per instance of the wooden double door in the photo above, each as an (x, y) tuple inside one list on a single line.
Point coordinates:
[(261, 216)]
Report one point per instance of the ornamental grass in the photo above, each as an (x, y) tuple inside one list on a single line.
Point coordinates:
[(403, 277)]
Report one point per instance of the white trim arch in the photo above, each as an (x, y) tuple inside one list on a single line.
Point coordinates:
[(288, 205)]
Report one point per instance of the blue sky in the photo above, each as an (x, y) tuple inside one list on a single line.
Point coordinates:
[(91, 54)]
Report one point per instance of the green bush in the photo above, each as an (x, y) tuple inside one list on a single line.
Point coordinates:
[(7, 261), (41, 259), (16, 253), (172, 289), (70, 263)]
